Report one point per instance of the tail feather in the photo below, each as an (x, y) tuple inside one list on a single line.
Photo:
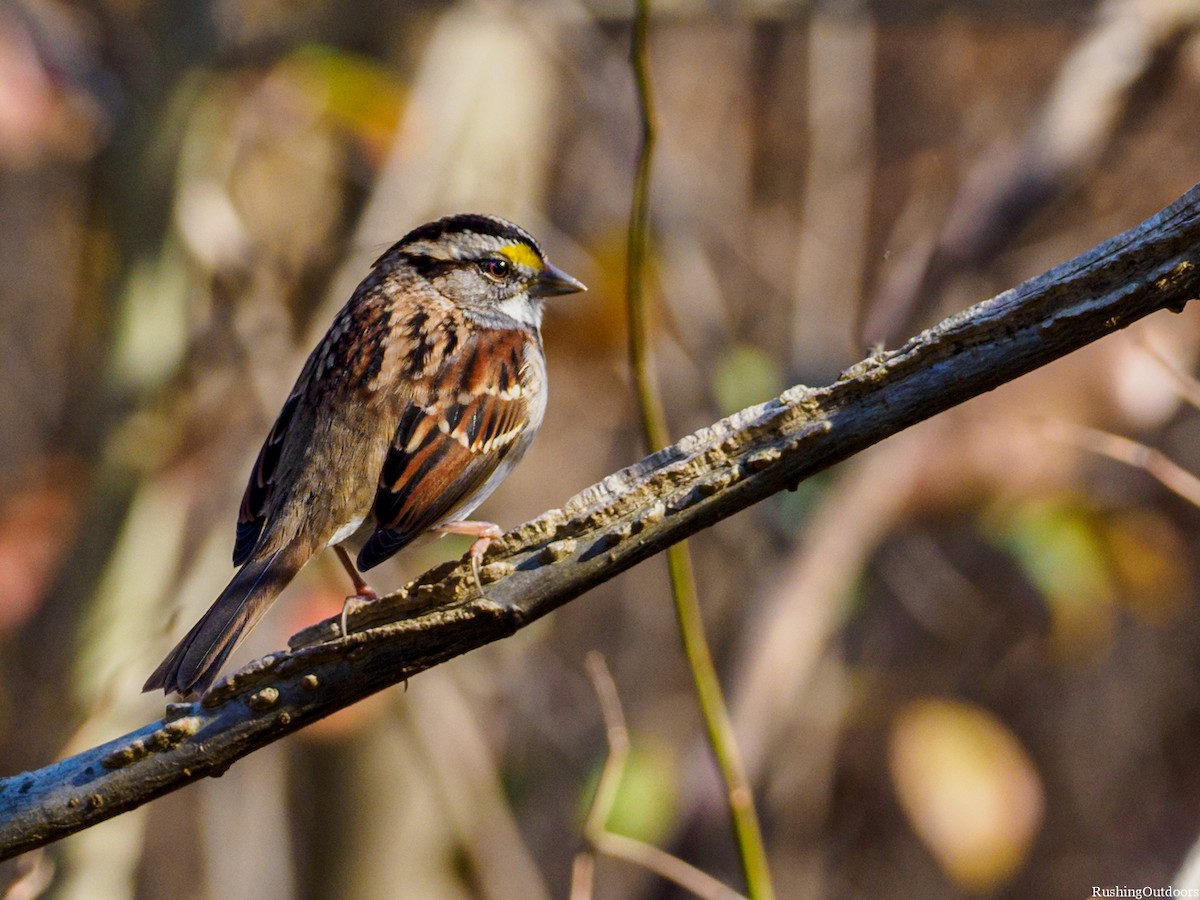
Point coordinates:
[(193, 665)]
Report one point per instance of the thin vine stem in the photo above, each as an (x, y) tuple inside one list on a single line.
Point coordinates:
[(717, 724)]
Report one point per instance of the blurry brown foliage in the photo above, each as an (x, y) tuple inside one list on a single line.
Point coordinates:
[(973, 624)]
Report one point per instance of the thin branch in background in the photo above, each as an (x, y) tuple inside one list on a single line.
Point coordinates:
[(1188, 876), (583, 876), (1185, 383), (840, 101), (620, 846), (35, 872), (1153, 462), (617, 735), (713, 709), (1093, 94), (460, 768)]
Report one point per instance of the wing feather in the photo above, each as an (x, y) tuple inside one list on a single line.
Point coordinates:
[(252, 514), (446, 448)]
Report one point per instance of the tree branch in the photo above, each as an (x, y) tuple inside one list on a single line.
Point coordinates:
[(606, 529)]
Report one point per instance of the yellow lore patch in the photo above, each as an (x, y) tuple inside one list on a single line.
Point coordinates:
[(522, 255)]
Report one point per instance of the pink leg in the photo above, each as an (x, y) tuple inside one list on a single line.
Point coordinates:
[(483, 532), (363, 592)]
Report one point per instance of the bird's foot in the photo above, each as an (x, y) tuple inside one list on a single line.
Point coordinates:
[(484, 533), (356, 602), (363, 592)]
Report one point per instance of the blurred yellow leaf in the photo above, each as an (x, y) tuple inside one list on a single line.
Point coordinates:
[(1148, 556), (356, 93), (967, 787)]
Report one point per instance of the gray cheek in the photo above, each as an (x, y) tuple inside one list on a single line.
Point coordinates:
[(458, 285)]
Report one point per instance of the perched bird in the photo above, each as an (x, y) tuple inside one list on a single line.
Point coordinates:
[(422, 396)]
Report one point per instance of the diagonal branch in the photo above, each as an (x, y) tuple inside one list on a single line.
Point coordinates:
[(606, 529)]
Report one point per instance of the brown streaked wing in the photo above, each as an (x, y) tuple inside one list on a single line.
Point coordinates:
[(445, 451), (252, 514)]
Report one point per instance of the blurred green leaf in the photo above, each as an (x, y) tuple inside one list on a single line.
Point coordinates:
[(152, 326), (1056, 542), (646, 805), (743, 376), (1059, 549)]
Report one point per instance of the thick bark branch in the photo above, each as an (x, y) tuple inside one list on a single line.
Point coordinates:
[(617, 523)]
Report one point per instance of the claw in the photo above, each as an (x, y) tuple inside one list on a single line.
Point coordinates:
[(484, 533), (353, 602), (363, 592), (476, 556)]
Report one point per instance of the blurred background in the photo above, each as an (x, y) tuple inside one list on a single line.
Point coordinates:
[(964, 663)]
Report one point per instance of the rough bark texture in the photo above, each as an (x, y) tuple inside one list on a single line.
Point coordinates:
[(617, 523)]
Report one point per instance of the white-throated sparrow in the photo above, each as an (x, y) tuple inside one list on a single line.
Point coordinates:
[(424, 393)]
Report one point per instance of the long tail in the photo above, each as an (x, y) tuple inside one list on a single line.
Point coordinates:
[(194, 663)]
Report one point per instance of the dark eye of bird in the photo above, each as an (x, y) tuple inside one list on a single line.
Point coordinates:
[(495, 269)]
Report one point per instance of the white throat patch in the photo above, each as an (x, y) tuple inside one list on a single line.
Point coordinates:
[(522, 308)]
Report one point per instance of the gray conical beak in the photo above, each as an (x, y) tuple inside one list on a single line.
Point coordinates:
[(553, 281)]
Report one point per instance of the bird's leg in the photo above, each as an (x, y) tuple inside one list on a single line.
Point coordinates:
[(363, 592), (483, 532)]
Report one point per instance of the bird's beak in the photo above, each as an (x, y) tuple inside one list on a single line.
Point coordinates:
[(553, 281)]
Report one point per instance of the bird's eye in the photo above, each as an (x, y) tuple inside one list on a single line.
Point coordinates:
[(495, 269)]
